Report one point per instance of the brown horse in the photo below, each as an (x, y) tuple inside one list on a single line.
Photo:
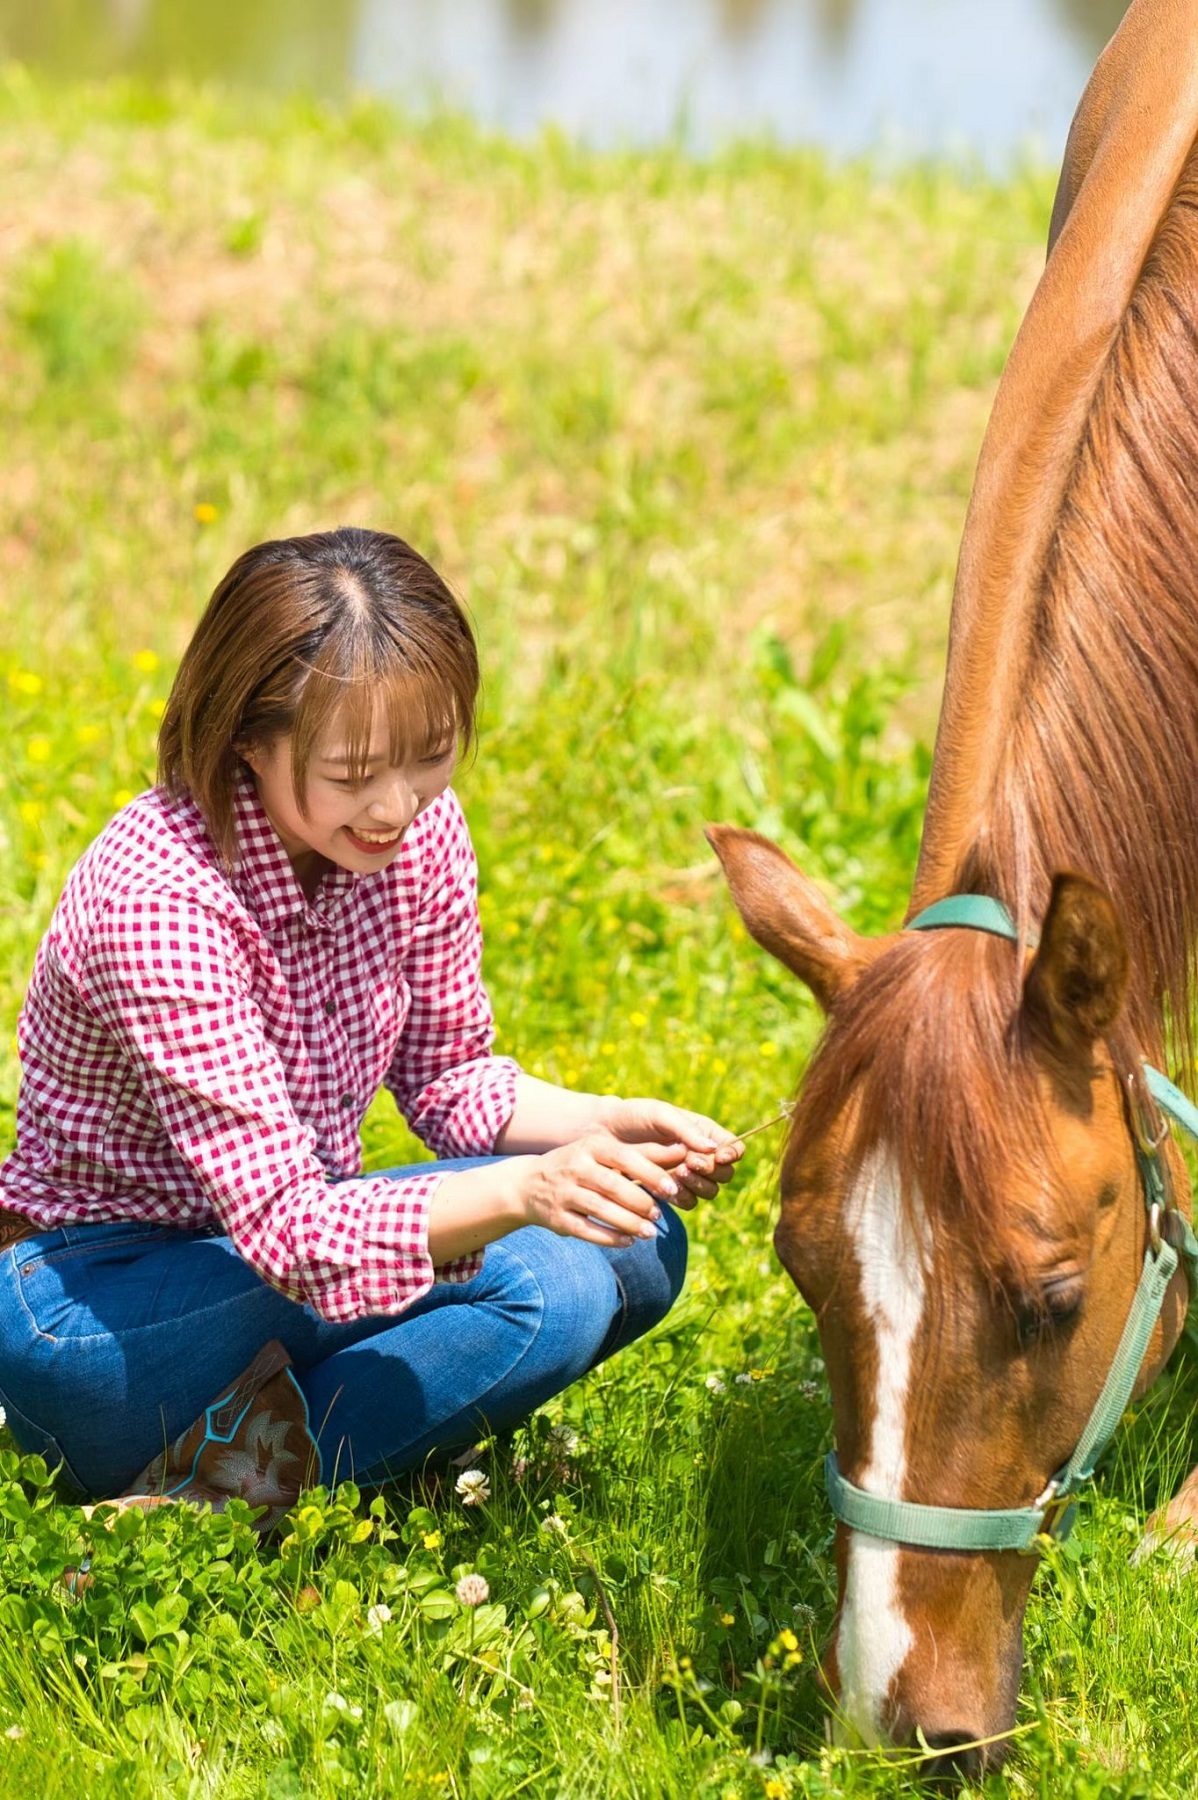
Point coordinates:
[(961, 1204)]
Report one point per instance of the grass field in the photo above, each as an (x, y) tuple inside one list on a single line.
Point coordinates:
[(695, 443)]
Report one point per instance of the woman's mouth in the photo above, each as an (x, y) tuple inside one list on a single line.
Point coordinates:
[(374, 843)]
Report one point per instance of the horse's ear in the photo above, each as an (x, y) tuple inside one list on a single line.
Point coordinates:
[(1074, 991), (787, 914)]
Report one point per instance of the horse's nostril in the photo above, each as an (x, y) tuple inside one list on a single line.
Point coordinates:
[(959, 1754)]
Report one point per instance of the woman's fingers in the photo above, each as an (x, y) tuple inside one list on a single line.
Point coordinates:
[(636, 1162), (601, 1210)]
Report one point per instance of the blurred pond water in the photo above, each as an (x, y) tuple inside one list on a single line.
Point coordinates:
[(977, 78)]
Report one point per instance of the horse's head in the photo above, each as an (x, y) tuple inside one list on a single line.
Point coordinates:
[(961, 1209)]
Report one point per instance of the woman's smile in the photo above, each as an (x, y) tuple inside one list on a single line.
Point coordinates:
[(371, 843)]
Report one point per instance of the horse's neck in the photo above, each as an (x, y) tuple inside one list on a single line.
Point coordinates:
[(1129, 143)]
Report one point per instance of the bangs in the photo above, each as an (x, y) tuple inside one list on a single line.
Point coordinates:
[(427, 708)]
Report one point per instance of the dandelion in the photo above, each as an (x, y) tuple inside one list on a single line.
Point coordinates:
[(637, 1020), (88, 734), (564, 1440), (473, 1487), (38, 749), (156, 707), (431, 1540), (775, 1789), (376, 1618), (804, 1615), (31, 811), (767, 1048), (715, 1384), (472, 1590), (145, 661), (24, 681), (718, 1066), (205, 513), (122, 797)]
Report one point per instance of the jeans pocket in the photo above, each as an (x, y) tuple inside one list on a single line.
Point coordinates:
[(32, 1440)]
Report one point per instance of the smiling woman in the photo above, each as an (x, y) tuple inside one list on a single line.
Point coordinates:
[(200, 1294)]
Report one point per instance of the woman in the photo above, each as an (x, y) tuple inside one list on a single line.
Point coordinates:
[(199, 1294)]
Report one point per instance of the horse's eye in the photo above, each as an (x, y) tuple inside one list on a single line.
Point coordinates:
[(1050, 1305)]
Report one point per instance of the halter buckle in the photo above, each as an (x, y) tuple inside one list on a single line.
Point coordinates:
[(1056, 1520), (1141, 1112)]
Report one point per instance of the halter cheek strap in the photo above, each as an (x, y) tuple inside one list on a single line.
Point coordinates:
[(1052, 1514)]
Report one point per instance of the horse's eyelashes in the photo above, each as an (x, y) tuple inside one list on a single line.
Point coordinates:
[(1051, 1305)]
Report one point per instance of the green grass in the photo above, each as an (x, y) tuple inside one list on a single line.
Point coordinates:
[(695, 444)]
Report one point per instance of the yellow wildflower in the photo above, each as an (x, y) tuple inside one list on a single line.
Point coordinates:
[(31, 811), (775, 1789), (637, 1020), (88, 734), (24, 681), (768, 1048), (727, 1618), (205, 513), (157, 707), (718, 1066), (122, 797), (38, 749), (431, 1540), (145, 661), (788, 1640)]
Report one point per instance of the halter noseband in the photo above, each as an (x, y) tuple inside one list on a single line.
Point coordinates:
[(1052, 1514)]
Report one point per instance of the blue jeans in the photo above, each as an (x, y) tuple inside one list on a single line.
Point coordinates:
[(114, 1338)]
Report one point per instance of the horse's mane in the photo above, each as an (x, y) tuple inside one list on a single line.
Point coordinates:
[(1100, 769), (1098, 774)]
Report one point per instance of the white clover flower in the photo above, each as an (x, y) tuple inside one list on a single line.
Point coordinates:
[(473, 1487), (472, 1590), (810, 1390), (563, 1440), (556, 1524), (376, 1618), (743, 1379), (3, 1418), (716, 1384)]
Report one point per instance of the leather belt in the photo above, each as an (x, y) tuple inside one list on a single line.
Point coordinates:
[(15, 1228)]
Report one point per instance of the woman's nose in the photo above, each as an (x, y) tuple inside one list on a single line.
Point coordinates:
[(398, 805)]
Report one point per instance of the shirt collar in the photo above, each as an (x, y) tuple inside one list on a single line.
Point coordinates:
[(264, 878)]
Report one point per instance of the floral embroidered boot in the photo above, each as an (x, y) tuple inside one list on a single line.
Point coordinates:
[(254, 1442)]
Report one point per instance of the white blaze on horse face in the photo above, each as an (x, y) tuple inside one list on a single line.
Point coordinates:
[(874, 1637)]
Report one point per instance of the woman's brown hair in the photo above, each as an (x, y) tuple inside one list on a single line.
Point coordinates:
[(302, 629)]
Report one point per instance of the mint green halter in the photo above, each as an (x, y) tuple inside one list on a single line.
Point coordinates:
[(1051, 1515)]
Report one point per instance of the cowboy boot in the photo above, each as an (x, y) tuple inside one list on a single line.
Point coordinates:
[(254, 1443)]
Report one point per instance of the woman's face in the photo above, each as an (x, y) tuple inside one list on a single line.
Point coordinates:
[(356, 825)]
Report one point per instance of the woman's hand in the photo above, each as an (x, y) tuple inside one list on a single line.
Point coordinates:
[(700, 1154), (599, 1189)]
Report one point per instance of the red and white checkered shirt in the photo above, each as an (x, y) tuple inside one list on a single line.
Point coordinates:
[(199, 1049)]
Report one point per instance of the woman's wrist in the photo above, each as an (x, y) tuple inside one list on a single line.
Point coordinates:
[(475, 1207)]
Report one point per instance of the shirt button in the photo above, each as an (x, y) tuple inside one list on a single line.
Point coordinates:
[(330, 1009), (347, 1101)]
